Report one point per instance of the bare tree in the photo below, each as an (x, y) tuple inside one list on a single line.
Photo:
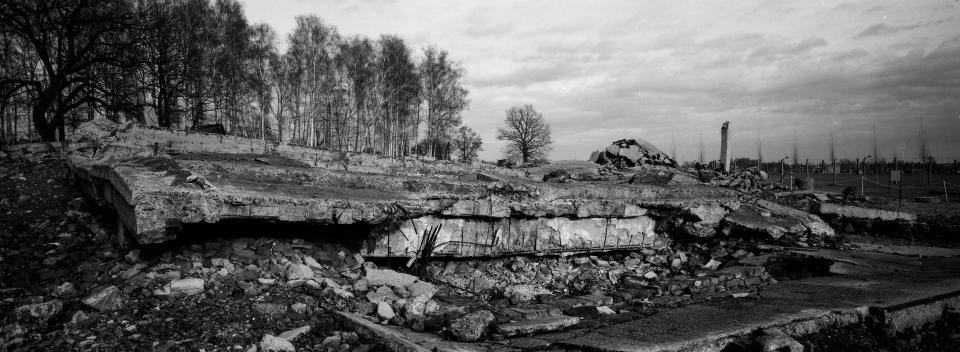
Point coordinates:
[(356, 57), (527, 134), (444, 96), (264, 54), (399, 90), (466, 143), (66, 39)]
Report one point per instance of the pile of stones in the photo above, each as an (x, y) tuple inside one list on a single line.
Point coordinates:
[(746, 179), (630, 153)]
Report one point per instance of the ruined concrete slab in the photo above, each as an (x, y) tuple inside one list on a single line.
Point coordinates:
[(157, 180), (384, 336), (901, 291), (862, 213), (530, 326)]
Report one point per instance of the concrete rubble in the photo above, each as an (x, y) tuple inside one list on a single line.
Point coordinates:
[(537, 325), (631, 152), (829, 211), (159, 181), (516, 263)]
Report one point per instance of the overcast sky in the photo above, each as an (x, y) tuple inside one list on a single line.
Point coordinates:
[(676, 70)]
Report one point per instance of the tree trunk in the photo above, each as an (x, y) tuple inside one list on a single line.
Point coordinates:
[(16, 124), (46, 130)]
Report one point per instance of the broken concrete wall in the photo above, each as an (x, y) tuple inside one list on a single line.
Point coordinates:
[(496, 236)]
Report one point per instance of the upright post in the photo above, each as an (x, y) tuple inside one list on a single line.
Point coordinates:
[(724, 146), (834, 162), (900, 194), (889, 184), (946, 198), (861, 186), (781, 170)]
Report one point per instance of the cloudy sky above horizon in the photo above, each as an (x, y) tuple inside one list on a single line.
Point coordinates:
[(673, 71)]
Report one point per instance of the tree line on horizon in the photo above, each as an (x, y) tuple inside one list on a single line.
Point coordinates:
[(195, 63)]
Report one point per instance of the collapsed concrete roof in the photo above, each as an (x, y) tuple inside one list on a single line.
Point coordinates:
[(158, 179)]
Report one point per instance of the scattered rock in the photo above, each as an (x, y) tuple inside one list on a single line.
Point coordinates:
[(299, 308), (471, 326), (272, 343), (105, 299), (186, 287), (79, 318), (420, 293), (524, 293), (605, 310), (269, 308), (383, 293), (65, 290), (38, 313), (378, 277), (332, 342), (385, 311), (292, 335), (309, 261), (342, 293), (361, 285), (299, 272)]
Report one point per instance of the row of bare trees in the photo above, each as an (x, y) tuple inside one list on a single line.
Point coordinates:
[(190, 63)]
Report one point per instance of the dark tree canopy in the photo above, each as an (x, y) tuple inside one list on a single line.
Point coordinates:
[(527, 134), (186, 64), (69, 42)]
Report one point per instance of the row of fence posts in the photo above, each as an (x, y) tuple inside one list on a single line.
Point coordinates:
[(893, 176)]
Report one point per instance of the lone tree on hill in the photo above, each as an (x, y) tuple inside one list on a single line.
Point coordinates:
[(466, 143), (526, 133)]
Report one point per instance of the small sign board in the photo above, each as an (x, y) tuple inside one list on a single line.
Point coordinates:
[(895, 175)]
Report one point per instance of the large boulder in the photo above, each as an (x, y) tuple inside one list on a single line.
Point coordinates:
[(39, 313), (105, 299), (299, 272), (186, 287), (471, 326)]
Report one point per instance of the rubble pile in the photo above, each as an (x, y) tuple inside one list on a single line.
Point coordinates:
[(158, 180), (631, 152), (523, 288), (749, 179), (288, 294)]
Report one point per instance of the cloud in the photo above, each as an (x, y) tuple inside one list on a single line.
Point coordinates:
[(773, 51), (662, 68), (881, 29)]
